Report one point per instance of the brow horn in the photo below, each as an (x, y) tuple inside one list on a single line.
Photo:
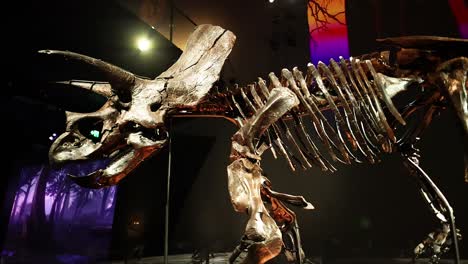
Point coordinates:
[(117, 77)]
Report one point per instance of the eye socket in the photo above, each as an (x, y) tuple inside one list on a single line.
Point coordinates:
[(124, 97), (155, 106), (91, 128)]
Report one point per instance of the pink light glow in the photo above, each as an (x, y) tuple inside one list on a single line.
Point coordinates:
[(460, 11)]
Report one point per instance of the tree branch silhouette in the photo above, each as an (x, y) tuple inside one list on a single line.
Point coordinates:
[(319, 11)]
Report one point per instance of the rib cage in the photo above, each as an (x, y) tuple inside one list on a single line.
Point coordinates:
[(351, 89)]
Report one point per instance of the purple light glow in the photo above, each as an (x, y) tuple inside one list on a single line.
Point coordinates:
[(49, 198), (330, 44)]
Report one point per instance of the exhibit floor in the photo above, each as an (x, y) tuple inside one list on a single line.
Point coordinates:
[(222, 258)]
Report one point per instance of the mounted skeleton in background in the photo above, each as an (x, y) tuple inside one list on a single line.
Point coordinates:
[(358, 91)]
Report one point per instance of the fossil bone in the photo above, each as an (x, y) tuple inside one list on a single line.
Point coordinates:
[(131, 125), (132, 122)]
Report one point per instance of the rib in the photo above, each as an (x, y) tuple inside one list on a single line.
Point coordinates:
[(263, 87), (338, 117), (286, 130), (372, 114), (313, 116), (289, 136), (247, 101), (343, 102), (255, 96), (239, 108), (310, 146), (360, 124), (383, 119), (283, 150), (279, 140), (361, 141), (364, 100), (388, 101)]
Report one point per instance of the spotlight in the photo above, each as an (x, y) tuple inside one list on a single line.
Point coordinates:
[(53, 137), (143, 44), (271, 1)]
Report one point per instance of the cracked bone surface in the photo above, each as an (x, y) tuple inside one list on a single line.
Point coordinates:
[(131, 126), (359, 93)]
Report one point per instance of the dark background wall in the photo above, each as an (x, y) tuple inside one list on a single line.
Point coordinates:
[(362, 210), (372, 19)]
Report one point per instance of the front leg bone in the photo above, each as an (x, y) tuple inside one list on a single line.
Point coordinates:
[(245, 181), (286, 220), (245, 178)]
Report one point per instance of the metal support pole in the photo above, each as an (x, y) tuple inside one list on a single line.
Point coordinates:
[(185, 15), (171, 21), (168, 190)]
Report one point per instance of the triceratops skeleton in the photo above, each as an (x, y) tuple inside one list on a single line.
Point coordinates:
[(358, 91)]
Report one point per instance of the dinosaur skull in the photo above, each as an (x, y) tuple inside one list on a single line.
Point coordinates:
[(130, 126), (126, 131)]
